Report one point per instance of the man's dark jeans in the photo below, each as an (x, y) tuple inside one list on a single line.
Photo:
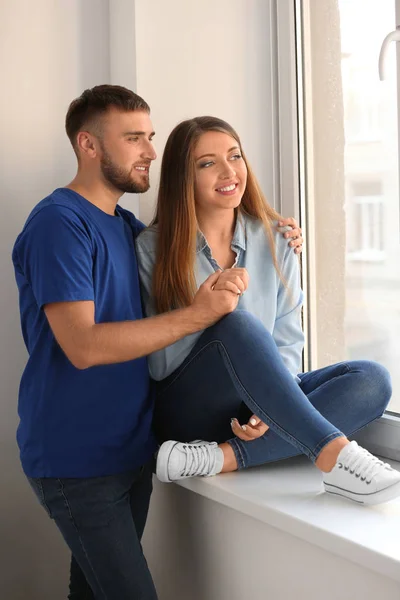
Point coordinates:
[(102, 520)]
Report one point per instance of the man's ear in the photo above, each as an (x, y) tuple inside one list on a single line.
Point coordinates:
[(86, 143)]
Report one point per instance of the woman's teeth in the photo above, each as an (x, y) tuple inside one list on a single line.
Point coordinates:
[(229, 188)]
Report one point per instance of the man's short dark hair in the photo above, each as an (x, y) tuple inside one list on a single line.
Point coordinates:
[(95, 102)]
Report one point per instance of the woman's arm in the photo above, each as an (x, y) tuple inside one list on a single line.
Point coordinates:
[(288, 332)]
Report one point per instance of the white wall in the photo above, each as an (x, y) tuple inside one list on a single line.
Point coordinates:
[(191, 58), (208, 57), (50, 50)]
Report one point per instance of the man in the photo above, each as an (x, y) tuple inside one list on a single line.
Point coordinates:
[(85, 410)]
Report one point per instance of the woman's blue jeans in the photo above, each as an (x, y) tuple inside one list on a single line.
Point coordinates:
[(236, 370)]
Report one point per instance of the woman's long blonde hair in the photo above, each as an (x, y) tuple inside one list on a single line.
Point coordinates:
[(174, 284)]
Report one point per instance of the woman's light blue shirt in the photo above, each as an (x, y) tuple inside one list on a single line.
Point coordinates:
[(277, 306)]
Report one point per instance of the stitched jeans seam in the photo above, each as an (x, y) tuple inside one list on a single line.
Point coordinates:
[(43, 497), (66, 503), (235, 445)]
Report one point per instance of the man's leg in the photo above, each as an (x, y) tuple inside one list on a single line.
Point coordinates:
[(79, 589), (95, 518), (140, 497)]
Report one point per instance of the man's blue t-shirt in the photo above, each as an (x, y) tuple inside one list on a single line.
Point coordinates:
[(79, 423)]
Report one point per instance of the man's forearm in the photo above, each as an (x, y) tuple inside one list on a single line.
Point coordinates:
[(86, 343), (108, 343)]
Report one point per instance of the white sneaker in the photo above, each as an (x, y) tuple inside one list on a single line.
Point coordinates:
[(360, 476), (178, 460)]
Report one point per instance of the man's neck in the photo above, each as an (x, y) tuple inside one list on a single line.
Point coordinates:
[(96, 192)]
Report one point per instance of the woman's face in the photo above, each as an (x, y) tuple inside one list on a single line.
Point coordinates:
[(221, 172)]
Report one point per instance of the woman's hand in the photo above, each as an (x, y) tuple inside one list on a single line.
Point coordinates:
[(234, 280), (254, 429), (294, 234)]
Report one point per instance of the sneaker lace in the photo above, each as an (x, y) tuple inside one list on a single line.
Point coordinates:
[(200, 459), (363, 464)]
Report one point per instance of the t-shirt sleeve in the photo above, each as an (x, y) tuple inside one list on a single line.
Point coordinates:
[(55, 255)]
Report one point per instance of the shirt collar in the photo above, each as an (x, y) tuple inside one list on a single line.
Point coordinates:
[(238, 240)]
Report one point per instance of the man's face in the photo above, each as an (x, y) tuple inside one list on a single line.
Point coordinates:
[(127, 150)]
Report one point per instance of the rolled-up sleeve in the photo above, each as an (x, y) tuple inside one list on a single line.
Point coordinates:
[(288, 332)]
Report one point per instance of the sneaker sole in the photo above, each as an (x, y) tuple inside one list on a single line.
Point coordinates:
[(385, 495), (163, 459)]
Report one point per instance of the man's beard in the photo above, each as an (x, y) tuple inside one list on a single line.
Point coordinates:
[(120, 178)]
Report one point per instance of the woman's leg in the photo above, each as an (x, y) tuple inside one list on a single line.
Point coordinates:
[(237, 362), (349, 395)]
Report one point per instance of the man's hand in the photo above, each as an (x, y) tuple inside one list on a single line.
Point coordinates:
[(294, 234), (212, 304), (254, 429), (87, 343)]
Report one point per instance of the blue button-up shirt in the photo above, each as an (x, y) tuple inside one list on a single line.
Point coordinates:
[(276, 304)]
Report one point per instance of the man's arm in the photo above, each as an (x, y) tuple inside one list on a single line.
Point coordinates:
[(54, 253), (87, 344)]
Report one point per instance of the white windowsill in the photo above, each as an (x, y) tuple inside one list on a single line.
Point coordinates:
[(287, 495)]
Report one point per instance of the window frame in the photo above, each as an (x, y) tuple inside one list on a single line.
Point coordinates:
[(295, 128)]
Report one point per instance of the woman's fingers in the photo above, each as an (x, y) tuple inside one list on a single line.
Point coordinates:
[(250, 431), (241, 432), (225, 284), (242, 273), (256, 425), (232, 277)]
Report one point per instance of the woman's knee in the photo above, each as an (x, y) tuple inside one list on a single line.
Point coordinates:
[(241, 318), (376, 383), (243, 326)]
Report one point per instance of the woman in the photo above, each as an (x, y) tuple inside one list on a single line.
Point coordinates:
[(211, 215)]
